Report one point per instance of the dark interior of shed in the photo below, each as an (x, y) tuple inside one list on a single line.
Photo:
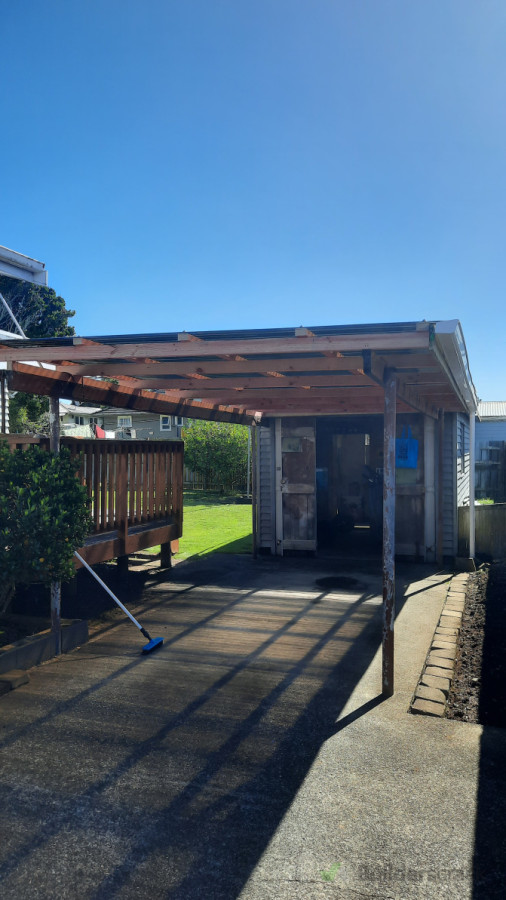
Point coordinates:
[(349, 484)]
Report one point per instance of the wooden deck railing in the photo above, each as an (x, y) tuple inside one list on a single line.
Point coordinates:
[(131, 485)]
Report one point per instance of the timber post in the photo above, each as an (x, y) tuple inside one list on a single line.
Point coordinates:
[(389, 426), (440, 488), (165, 556), (122, 513), (255, 448), (55, 588)]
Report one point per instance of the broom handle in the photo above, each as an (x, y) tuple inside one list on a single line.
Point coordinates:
[(125, 610)]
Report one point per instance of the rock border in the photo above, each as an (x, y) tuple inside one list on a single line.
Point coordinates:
[(432, 690)]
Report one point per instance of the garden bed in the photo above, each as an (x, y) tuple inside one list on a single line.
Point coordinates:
[(478, 692)]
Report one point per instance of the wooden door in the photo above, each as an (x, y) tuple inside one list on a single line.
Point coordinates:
[(295, 484)]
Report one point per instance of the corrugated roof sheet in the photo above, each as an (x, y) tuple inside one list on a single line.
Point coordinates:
[(492, 409)]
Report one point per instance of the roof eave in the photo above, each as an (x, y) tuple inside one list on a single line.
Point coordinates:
[(450, 346)]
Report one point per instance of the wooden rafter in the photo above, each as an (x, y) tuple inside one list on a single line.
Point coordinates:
[(59, 384), (238, 375)]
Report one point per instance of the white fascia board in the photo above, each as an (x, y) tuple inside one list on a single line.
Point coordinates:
[(24, 268), (449, 341)]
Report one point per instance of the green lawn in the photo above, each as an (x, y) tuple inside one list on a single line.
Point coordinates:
[(213, 524)]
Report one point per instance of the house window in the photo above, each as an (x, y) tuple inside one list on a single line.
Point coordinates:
[(96, 420), (124, 421), (79, 420), (179, 420), (165, 423)]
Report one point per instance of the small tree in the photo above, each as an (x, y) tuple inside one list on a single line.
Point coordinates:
[(41, 313), (43, 518), (217, 451)]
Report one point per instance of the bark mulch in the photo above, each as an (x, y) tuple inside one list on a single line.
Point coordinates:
[(478, 692)]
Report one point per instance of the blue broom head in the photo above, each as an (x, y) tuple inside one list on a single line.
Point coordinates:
[(152, 645)]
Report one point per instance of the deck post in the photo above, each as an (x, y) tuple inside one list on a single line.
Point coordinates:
[(165, 556), (55, 588), (389, 425), (122, 567)]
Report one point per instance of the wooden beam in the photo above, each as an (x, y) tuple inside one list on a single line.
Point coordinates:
[(201, 349), (251, 398), (375, 367), (47, 382), (205, 385), (288, 365)]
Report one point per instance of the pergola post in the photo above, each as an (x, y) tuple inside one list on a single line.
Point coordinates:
[(440, 487), (255, 447), (389, 425), (55, 589)]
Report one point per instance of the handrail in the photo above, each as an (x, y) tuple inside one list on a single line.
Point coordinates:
[(128, 482)]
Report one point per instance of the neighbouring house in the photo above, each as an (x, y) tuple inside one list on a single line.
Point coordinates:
[(80, 420), (491, 451)]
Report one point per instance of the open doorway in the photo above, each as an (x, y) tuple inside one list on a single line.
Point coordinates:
[(349, 484)]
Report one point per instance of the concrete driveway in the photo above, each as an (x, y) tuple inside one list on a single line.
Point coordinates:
[(251, 756)]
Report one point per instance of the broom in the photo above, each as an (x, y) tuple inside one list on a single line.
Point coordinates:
[(153, 643)]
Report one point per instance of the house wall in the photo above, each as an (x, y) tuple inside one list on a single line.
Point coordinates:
[(449, 513), (490, 444), (411, 525), (146, 425), (487, 431), (462, 443)]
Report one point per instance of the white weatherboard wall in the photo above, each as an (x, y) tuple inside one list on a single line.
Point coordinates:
[(450, 486), (462, 460), (456, 477)]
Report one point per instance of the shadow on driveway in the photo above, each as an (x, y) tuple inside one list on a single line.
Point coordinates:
[(167, 776)]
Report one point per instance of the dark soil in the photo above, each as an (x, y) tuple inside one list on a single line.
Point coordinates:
[(478, 692)]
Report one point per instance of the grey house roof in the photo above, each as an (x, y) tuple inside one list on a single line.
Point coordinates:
[(492, 409), (73, 409)]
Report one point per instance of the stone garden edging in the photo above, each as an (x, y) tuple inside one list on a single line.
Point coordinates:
[(433, 687)]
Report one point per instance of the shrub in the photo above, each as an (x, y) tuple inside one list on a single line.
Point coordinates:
[(217, 451), (43, 518)]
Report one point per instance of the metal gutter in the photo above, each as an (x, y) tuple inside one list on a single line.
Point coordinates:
[(450, 348), (24, 268)]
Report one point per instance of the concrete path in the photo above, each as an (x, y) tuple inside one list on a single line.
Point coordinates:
[(251, 756)]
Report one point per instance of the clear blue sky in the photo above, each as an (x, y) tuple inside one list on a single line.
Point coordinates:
[(198, 164)]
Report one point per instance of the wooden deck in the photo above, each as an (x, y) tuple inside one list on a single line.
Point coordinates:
[(134, 490)]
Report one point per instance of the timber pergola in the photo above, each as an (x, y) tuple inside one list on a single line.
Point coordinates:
[(245, 376)]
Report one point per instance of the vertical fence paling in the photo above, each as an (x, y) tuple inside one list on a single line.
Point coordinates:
[(127, 482)]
